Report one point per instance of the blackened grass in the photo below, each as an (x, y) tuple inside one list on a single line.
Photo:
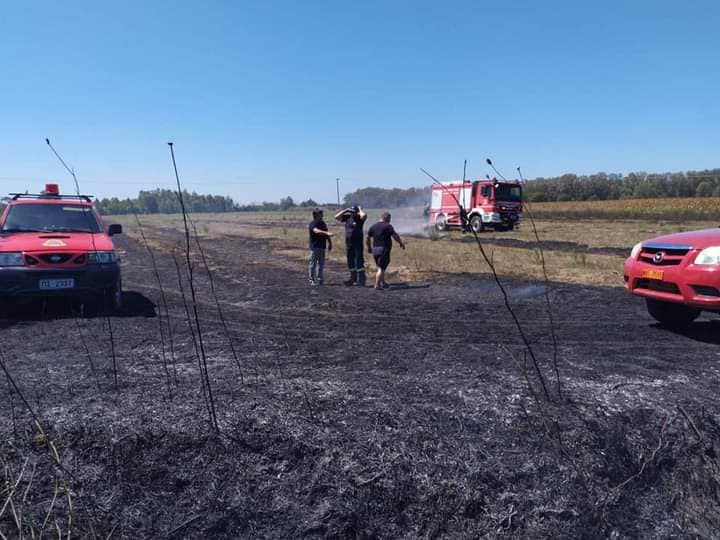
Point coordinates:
[(506, 300), (527, 209), (163, 299), (87, 353), (188, 318), (112, 341), (204, 367), (12, 405), (228, 336)]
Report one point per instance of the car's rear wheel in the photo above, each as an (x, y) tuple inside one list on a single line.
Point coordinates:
[(671, 314)]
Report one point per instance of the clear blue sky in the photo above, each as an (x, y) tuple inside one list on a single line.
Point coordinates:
[(266, 99)]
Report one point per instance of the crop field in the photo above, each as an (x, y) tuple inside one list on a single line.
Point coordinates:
[(443, 407), (677, 210)]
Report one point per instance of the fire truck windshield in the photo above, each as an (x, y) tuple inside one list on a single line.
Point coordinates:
[(508, 192), (51, 218)]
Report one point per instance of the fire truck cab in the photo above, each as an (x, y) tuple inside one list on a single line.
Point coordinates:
[(487, 204), (57, 245)]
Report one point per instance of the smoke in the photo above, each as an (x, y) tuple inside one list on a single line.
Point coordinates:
[(406, 221)]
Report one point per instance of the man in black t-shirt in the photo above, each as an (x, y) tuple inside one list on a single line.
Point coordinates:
[(354, 220), (379, 243), (319, 238)]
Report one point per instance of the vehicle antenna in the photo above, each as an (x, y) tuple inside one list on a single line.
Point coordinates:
[(464, 169), (489, 162), (68, 169), (521, 176)]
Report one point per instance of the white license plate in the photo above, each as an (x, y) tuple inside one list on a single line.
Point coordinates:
[(53, 284)]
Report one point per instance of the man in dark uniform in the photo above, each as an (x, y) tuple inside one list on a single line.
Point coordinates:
[(379, 242), (319, 238), (354, 220)]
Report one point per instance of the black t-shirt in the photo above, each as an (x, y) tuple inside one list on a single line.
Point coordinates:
[(317, 240), (382, 233), (354, 227)]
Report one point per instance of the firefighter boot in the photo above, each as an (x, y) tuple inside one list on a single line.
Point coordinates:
[(361, 277), (353, 278)]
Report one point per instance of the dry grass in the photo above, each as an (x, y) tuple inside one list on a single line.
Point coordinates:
[(573, 250)]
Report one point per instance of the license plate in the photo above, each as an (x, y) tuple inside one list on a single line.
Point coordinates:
[(653, 274), (54, 284)]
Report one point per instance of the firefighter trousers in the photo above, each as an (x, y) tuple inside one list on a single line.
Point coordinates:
[(356, 262)]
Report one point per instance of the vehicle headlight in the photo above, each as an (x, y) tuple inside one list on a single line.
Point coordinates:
[(11, 259), (101, 257), (709, 255), (636, 250)]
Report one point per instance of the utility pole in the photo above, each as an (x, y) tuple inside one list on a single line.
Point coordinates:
[(337, 183)]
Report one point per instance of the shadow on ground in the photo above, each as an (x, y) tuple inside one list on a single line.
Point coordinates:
[(703, 331), (32, 310)]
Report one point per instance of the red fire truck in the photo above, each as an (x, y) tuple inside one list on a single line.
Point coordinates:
[(488, 204), (53, 244)]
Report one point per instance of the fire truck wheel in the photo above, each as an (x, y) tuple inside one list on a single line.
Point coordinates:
[(671, 314), (441, 222), (476, 224)]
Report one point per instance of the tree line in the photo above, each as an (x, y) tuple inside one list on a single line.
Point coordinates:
[(375, 197), (166, 201), (570, 187), (636, 185)]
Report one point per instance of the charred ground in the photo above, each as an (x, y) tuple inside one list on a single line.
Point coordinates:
[(354, 413)]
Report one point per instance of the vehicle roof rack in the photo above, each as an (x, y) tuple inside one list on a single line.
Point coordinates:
[(16, 196)]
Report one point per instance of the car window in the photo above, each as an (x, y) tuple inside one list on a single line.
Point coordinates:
[(51, 217)]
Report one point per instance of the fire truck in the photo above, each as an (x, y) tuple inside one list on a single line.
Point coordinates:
[(486, 203), (57, 245)]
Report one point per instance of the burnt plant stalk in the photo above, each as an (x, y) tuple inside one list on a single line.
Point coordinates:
[(111, 337), (501, 287), (87, 353), (228, 336), (548, 304), (164, 305), (188, 318), (204, 371)]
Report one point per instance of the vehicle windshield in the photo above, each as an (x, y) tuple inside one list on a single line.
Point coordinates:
[(51, 218), (508, 192)]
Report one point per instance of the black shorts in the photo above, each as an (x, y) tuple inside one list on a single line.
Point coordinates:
[(381, 256)]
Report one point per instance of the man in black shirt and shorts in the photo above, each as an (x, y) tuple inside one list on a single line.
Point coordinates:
[(354, 220), (319, 238), (379, 243)]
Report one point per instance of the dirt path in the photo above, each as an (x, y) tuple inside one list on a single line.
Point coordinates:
[(357, 413)]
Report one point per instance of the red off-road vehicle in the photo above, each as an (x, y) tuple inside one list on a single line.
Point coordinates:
[(53, 244), (678, 274)]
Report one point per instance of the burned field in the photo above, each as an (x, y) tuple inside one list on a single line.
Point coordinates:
[(413, 412)]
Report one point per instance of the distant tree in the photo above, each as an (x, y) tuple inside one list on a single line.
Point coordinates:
[(287, 203), (705, 189)]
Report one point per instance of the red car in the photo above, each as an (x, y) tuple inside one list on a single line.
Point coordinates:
[(52, 244), (678, 274)]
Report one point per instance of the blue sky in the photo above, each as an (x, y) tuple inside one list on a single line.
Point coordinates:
[(268, 99)]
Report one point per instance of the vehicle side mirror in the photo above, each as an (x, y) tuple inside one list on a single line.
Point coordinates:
[(114, 229)]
